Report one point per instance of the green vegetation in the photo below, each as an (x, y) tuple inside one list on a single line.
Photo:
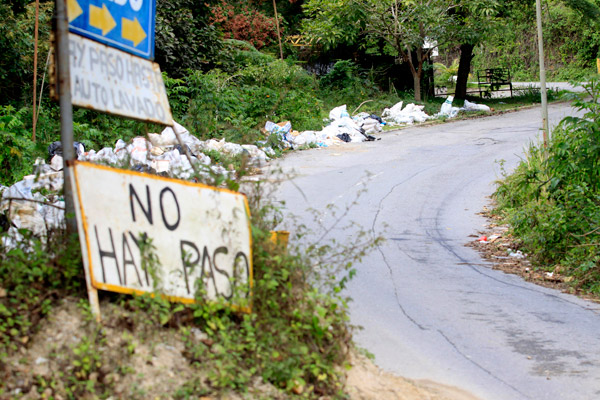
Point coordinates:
[(552, 200), (225, 79), (297, 337), (232, 104), (571, 40)]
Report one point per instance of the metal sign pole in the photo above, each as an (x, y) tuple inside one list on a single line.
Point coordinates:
[(543, 92), (66, 133), (66, 109)]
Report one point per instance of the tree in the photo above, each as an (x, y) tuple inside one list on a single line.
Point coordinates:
[(480, 17), (404, 26), (185, 39), (476, 19)]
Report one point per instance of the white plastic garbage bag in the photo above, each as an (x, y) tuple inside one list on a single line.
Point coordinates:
[(163, 139), (56, 163), (282, 128), (257, 156), (370, 125), (305, 138), (475, 107), (395, 110), (35, 216), (232, 149), (213, 144), (338, 112)]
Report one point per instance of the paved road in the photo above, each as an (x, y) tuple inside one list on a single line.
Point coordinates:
[(550, 85), (558, 86), (430, 307)]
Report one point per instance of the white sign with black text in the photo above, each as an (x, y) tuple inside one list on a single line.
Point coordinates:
[(116, 82), (200, 235)]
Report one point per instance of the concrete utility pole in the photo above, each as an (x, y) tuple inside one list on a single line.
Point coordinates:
[(543, 92), (66, 109)]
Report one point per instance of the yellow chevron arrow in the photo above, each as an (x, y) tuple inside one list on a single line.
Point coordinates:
[(73, 9), (132, 30), (100, 18)]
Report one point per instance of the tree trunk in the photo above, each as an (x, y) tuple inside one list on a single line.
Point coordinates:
[(417, 86), (464, 67)]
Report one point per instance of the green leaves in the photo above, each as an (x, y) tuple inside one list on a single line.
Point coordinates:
[(552, 201), (16, 149)]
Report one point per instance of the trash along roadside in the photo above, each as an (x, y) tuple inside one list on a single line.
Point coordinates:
[(35, 203)]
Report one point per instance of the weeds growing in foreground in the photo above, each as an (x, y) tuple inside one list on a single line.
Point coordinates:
[(297, 337), (552, 200)]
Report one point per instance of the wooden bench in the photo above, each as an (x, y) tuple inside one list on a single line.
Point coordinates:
[(492, 80)]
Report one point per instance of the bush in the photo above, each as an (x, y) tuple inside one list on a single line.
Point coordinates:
[(235, 104), (17, 152), (552, 200)]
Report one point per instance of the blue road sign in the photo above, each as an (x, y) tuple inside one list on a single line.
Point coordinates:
[(124, 24)]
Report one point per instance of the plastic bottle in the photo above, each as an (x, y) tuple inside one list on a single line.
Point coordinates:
[(447, 106)]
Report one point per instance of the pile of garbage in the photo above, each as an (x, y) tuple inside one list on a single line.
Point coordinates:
[(163, 154), (405, 116), (341, 128), (359, 128), (35, 203)]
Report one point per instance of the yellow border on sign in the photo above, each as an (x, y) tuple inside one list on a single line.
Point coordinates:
[(124, 290)]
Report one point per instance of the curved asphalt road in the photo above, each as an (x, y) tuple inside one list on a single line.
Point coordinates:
[(430, 307)]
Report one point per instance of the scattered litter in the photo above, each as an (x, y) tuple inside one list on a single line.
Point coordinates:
[(40, 360), (55, 148), (475, 107), (36, 203), (493, 238), (345, 137), (516, 254), (447, 110), (483, 239)]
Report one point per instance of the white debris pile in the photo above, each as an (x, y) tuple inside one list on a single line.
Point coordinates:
[(341, 127), (33, 203), (408, 115), (164, 154)]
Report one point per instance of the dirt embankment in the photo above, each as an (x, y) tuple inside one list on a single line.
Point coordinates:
[(140, 362)]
